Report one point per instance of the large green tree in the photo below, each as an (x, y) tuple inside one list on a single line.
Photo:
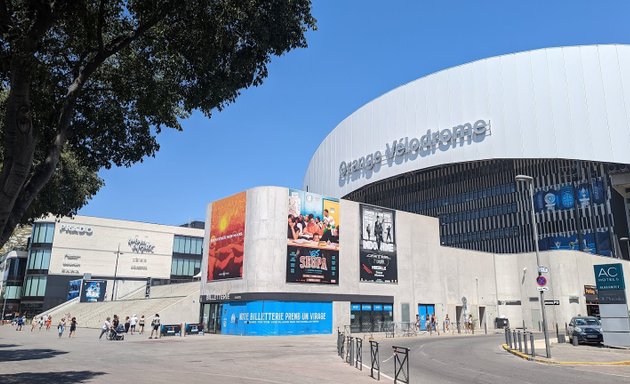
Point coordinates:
[(89, 84)]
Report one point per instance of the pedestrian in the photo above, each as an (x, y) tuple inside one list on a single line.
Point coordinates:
[(107, 326), (40, 323), (127, 324), (48, 322), (133, 321), (155, 326), (470, 322), (20, 323), (434, 323), (33, 323), (73, 327), (141, 324), (427, 323), (61, 326), (447, 324), (417, 324)]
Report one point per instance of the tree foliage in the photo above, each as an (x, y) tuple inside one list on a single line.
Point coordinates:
[(89, 84)]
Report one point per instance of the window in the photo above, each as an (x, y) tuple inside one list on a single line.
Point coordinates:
[(43, 233), (39, 259), (188, 245), (35, 286), (185, 266), (13, 292)]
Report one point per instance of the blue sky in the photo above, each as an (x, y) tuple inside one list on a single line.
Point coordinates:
[(362, 49)]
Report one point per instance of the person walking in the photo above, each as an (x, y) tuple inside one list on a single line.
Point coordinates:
[(133, 321), (61, 327), (40, 323), (33, 323), (127, 324), (48, 322), (447, 324), (427, 323), (107, 326), (155, 326), (141, 324), (73, 327), (20, 323), (434, 325)]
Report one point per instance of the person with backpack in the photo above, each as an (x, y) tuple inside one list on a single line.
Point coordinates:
[(155, 326)]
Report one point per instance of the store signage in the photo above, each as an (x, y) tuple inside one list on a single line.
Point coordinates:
[(609, 277), (444, 139), (76, 229), (140, 246), (590, 290)]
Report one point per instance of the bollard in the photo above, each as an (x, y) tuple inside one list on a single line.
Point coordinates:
[(525, 343), (575, 341), (401, 365), (485, 327), (509, 334), (531, 339), (557, 332), (375, 364), (520, 343), (566, 329), (359, 354), (539, 326), (505, 332), (514, 338)]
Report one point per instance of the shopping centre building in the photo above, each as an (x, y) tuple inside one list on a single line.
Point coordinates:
[(121, 256)]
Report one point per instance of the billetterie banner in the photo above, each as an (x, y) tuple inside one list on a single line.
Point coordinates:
[(312, 238), (227, 238), (267, 318), (377, 245)]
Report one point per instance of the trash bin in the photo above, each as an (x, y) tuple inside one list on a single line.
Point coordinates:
[(501, 322)]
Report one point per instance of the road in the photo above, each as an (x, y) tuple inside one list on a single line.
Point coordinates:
[(480, 359)]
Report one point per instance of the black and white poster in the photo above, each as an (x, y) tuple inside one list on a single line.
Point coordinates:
[(377, 248)]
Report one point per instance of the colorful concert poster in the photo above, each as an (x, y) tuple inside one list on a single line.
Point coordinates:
[(227, 238), (312, 238)]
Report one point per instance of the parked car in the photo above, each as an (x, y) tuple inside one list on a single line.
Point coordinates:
[(588, 329)]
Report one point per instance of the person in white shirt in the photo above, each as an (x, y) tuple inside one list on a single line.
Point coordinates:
[(107, 326), (134, 320)]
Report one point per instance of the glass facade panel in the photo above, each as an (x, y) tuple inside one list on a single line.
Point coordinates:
[(43, 233), (188, 245), (39, 259), (35, 286)]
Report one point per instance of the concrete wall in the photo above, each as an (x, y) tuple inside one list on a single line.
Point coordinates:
[(428, 273)]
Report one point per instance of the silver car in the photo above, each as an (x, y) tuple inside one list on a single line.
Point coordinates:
[(588, 329)]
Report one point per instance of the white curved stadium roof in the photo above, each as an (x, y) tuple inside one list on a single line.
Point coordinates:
[(569, 102)]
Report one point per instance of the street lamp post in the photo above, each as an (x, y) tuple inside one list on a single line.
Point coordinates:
[(625, 239), (118, 253), (530, 183)]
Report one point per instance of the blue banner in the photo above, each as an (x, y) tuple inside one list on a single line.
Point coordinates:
[(567, 197), (378, 307), (355, 307), (388, 307), (551, 200), (583, 195), (599, 195), (270, 318)]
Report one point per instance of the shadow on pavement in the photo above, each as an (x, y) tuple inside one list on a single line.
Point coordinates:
[(28, 354), (8, 345), (49, 377)]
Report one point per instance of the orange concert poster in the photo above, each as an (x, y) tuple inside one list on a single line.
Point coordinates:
[(227, 238)]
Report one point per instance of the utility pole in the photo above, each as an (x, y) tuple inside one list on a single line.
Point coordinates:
[(530, 183), (118, 253)]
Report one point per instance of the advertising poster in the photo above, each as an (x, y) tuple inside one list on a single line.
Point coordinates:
[(227, 238), (567, 197), (312, 238), (93, 291), (268, 318), (74, 288), (377, 246), (551, 200)]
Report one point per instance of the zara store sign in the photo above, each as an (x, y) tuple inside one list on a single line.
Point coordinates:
[(423, 145)]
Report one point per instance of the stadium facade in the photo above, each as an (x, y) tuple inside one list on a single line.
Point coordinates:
[(450, 144)]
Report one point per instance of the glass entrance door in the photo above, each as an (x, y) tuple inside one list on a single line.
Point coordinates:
[(212, 317)]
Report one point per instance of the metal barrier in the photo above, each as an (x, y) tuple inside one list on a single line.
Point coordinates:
[(375, 364), (401, 364), (349, 350), (340, 340), (359, 354)]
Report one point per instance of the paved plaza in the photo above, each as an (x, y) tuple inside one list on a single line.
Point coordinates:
[(40, 357)]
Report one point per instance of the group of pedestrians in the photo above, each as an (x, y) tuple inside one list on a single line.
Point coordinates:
[(38, 322), (431, 324), (130, 326), (72, 322)]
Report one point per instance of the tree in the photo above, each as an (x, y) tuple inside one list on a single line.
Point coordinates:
[(89, 84)]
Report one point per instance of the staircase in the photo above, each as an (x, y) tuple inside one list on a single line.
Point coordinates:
[(175, 303)]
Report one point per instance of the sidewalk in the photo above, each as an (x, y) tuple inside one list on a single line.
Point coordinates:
[(568, 354)]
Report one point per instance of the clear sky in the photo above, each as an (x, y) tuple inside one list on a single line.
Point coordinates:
[(362, 49)]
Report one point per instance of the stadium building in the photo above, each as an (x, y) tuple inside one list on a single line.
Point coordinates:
[(450, 144)]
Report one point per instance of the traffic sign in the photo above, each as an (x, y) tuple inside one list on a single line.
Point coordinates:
[(552, 302), (542, 269), (543, 289), (541, 280)]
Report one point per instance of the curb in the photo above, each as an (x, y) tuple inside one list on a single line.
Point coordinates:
[(555, 362)]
